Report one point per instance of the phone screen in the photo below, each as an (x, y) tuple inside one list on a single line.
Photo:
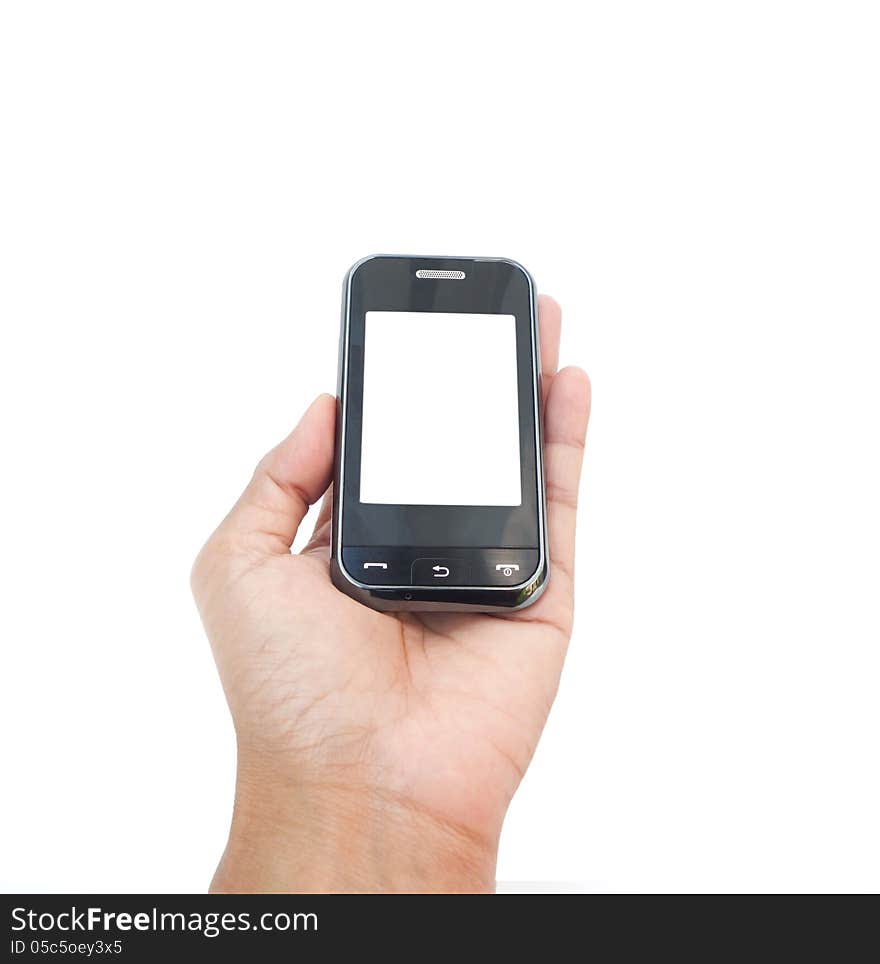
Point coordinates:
[(440, 409)]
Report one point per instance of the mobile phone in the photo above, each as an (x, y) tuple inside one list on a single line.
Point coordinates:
[(438, 499)]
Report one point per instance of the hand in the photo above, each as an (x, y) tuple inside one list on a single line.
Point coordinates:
[(377, 752)]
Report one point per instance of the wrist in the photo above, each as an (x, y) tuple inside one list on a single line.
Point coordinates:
[(298, 835)]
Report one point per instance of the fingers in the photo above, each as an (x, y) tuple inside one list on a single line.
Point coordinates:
[(565, 428), (549, 326), (287, 481)]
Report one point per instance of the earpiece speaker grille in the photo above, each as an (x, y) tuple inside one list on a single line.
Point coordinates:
[(445, 275)]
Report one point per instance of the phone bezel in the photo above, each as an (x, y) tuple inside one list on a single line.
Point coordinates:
[(491, 285)]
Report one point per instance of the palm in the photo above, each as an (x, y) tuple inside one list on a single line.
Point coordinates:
[(413, 698), (437, 711)]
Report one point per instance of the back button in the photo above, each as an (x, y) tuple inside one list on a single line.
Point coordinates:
[(440, 572)]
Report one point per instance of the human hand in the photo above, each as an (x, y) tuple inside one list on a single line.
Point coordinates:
[(377, 751)]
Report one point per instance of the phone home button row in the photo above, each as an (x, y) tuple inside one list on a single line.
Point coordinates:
[(405, 566)]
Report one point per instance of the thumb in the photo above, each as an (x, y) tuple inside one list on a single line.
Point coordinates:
[(286, 482)]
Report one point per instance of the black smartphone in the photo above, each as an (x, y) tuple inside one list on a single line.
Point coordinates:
[(438, 499)]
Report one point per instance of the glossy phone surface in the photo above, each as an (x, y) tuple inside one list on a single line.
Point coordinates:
[(439, 484)]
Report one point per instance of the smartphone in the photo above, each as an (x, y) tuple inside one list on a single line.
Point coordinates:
[(438, 499)]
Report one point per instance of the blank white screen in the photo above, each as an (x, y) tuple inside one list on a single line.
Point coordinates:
[(440, 411)]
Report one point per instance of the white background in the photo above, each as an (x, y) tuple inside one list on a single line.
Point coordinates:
[(440, 409), (183, 185)]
